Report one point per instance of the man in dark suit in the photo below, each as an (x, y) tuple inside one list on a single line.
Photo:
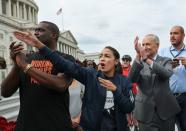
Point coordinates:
[(155, 105)]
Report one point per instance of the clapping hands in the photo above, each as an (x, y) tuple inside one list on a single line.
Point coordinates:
[(17, 55), (140, 50)]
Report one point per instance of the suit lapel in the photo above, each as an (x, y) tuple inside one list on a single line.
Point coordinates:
[(159, 61)]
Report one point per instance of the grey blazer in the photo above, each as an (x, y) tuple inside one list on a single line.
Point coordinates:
[(154, 92)]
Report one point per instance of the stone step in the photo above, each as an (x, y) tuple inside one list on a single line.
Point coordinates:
[(5, 109), (9, 107), (11, 116), (6, 101)]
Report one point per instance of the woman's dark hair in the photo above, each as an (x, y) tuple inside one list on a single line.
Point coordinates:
[(94, 65), (115, 52), (84, 63), (79, 62), (118, 67)]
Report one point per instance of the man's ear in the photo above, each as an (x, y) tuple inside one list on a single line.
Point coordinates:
[(158, 45), (54, 35)]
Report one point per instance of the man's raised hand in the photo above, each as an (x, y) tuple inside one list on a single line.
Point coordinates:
[(28, 38)]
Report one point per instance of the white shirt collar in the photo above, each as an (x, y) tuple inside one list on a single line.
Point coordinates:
[(155, 57)]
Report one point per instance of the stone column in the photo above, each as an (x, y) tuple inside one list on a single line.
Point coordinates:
[(75, 53), (60, 46), (29, 13), (35, 16), (65, 49), (32, 14), (68, 49), (24, 11), (14, 9), (9, 9), (71, 51), (17, 5), (1, 7)]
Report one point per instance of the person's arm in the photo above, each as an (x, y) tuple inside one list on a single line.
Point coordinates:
[(121, 94), (58, 82), (134, 73), (164, 71), (10, 84), (123, 97), (61, 64)]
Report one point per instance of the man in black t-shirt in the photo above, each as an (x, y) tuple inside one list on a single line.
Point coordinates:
[(44, 96)]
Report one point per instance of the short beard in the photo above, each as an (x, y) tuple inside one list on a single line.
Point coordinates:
[(177, 44)]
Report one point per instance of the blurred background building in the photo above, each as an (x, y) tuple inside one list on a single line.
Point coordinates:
[(22, 15)]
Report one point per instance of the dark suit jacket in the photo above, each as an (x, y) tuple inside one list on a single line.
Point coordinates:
[(154, 92)]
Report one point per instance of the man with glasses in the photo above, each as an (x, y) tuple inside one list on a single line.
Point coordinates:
[(126, 60)]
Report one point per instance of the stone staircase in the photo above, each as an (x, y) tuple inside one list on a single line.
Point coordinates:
[(9, 107)]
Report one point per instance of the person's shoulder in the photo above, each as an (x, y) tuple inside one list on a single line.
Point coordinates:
[(66, 56), (164, 57), (60, 53), (164, 51)]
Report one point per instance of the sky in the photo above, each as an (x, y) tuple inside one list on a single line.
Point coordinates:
[(99, 23)]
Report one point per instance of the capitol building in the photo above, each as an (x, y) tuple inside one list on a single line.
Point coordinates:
[(22, 15)]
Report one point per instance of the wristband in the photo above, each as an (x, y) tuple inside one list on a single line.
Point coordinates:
[(28, 67)]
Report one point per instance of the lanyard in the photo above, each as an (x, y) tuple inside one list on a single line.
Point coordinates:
[(174, 56)]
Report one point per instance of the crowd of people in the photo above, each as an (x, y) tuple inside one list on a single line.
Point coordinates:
[(59, 93)]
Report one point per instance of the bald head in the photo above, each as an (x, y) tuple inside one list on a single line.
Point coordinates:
[(177, 35), (180, 28)]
